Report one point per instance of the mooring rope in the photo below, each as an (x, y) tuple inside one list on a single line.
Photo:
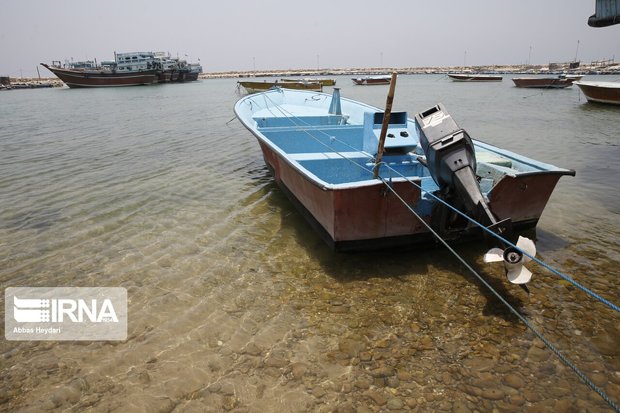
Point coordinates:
[(539, 335), (547, 343), (550, 268), (505, 241)]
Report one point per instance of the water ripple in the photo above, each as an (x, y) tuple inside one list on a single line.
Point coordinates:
[(235, 302)]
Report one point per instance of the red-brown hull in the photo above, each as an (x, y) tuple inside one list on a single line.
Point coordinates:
[(364, 81), (92, 78), (165, 77), (543, 83), (371, 216), (475, 78), (524, 197), (600, 93)]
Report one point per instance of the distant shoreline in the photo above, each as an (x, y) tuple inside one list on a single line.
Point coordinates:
[(613, 69), (499, 69)]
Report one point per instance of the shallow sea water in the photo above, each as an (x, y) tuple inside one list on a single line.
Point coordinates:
[(235, 304)]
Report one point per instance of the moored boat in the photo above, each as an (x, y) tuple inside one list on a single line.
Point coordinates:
[(193, 70), (174, 69), (322, 151), (372, 80), (474, 77), (600, 92), (127, 69), (557, 82), (103, 77), (322, 81), (254, 87), (574, 78)]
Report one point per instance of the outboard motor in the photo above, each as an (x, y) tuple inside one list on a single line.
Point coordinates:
[(451, 159)]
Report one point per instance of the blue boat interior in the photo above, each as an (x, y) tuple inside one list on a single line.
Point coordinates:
[(339, 152), (339, 148)]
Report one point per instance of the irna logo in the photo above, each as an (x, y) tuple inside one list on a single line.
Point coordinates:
[(32, 310), (65, 313)]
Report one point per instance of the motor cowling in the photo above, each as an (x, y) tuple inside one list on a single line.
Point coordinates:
[(451, 159)]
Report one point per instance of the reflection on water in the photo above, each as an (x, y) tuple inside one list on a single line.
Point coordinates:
[(235, 304)]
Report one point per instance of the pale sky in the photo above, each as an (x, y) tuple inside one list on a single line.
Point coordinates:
[(275, 34)]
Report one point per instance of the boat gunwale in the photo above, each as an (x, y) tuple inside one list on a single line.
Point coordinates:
[(598, 84), (544, 168)]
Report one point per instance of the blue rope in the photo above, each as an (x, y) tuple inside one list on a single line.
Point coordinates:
[(505, 241), (545, 265), (547, 343)]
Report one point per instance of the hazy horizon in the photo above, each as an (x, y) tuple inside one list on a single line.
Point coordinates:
[(276, 35)]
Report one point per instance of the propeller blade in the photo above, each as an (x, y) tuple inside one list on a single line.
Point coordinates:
[(526, 245), (494, 255), (519, 274)]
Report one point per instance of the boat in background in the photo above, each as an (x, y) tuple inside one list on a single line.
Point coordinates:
[(174, 69), (372, 80), (557, 82), (322, 81), (600, 92), (104, 76), (254, 87), (193, 70), (573, 77), (474, 77), (127, 69), (322, 151)]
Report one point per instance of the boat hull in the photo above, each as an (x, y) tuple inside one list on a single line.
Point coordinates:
[(372, 217), (542, 83), (255, 87), (371, 81), (320, 161), (323, 82), (601, 92), (475, 78), (92, 78), (191, 76)]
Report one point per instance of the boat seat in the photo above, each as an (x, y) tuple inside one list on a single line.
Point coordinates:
[(299, 121), (400, 136), (311, 156), (297, 139)]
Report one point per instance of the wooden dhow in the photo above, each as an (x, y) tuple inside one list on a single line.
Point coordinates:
[(127, 69), (101, 77)]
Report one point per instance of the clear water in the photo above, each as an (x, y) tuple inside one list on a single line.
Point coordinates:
[(236, 304)]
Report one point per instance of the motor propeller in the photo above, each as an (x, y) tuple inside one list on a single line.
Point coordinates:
[(514, 260)]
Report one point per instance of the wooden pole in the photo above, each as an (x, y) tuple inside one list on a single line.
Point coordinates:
[(384, 125)]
